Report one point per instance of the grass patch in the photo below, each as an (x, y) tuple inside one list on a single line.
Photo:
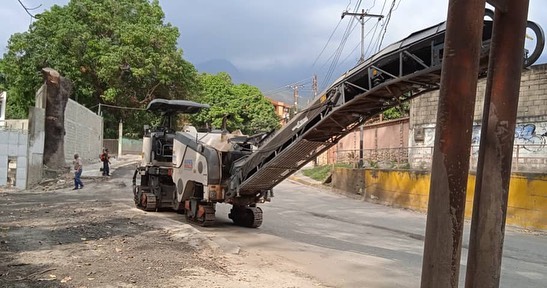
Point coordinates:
[(321, 173)]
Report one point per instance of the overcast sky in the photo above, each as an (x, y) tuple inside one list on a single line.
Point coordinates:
[(273, 43)]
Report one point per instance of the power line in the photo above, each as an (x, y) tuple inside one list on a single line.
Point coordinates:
[(29, 9), (361, 17), (305, 80), (372, 40), (338, 51), (116, 107), (388, 17), (326, 44)]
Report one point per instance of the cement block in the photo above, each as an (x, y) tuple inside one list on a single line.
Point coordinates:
[(22, 163), (22, 150), (12, 149), (4, 149), (21, 180), (23, 138), (4, 135), (3, 176), (13, 137), (3, 170)]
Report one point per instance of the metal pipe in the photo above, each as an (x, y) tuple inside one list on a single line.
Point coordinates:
[(496, 146), (445, 215)]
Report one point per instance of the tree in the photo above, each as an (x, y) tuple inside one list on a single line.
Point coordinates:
[(396, 112), (244, 105), (116, 52)]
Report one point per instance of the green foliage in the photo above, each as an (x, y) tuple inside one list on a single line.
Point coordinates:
[(116, 52), (247, 109), (373, 164), (320, 173), (405, 166), (397, 112)]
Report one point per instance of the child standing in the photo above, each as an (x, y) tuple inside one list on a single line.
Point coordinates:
[(78, 167), (106, 161)]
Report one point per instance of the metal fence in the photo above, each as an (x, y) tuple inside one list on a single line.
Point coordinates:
[(526, 158)]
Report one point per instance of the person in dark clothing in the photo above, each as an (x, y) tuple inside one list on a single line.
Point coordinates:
[(106, 161)]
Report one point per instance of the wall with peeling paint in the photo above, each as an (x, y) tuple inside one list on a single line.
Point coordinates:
[(527, 205)]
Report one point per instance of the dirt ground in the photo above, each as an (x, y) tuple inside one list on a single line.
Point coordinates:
[(52, 236)]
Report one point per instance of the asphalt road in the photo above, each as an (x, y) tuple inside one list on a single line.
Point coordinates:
[(381, 246), (343, 242)]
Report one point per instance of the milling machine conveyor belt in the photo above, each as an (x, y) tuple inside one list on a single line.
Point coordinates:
[(400, 72)]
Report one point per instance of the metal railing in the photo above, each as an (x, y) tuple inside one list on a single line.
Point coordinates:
[(526, 158)]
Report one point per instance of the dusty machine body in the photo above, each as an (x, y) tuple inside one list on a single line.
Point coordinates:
[(188, 171), (191, 171)]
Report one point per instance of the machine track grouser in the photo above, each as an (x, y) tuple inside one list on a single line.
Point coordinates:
[(190, 171)]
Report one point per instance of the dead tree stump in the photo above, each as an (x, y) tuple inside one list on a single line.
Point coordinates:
[(58, 90)]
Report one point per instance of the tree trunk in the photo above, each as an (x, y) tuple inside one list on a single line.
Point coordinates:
[(58, 90)]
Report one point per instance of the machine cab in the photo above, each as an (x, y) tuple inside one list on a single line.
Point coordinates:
[(157, 146)]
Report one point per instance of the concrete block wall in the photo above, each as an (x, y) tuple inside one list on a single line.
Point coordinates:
[(36, 139), (13, 146), (383, 135), (532, 100), (3, 166), (532, 112), (16, 124), (25, 146), (533, 95), (84, 132)]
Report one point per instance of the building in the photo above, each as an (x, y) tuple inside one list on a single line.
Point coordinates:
[(282, 110)]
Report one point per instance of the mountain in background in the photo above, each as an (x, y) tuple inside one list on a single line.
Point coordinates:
[(265, 81), (272, 82), (216, 66)]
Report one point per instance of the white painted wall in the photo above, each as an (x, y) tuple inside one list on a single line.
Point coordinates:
[(3, 98), (13, 144), (23, 141)]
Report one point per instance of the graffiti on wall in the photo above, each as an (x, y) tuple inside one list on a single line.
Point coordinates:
[(532, 137)]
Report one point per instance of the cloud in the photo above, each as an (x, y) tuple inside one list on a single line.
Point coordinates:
[(277, 39)]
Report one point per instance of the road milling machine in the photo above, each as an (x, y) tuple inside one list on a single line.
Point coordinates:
[(187, 171), (190, 171)]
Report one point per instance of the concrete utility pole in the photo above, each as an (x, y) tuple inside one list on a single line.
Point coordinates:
[(361, 16), (3, 98), (314, 85), (120, 139), (295, 93)]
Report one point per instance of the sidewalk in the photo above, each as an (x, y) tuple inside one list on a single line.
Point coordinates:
[(305, 180), (92, 170)]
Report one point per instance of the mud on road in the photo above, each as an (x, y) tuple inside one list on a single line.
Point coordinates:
[(94, 237)]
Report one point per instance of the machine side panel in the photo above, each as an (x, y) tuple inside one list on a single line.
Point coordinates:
[(210, 154)]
